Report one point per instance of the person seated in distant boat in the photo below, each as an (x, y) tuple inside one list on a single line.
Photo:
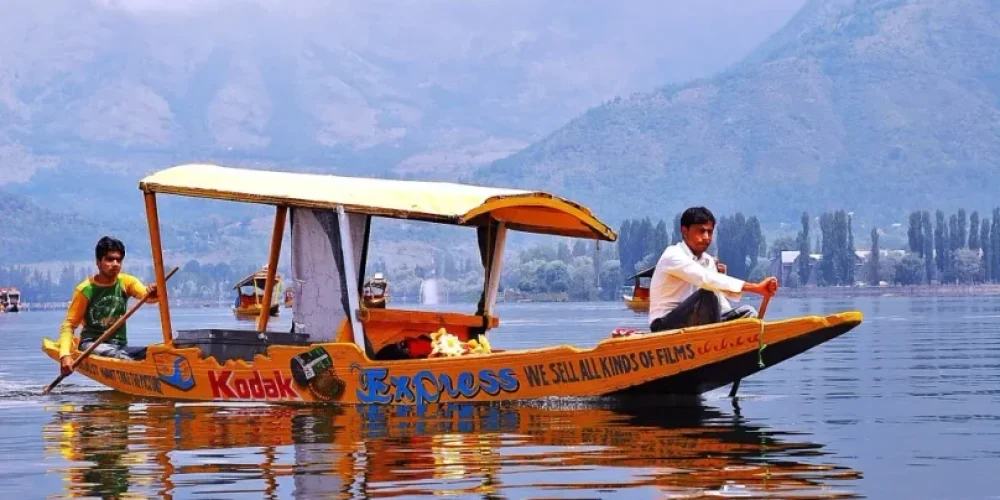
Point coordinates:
[(689, 287), (98, 302)]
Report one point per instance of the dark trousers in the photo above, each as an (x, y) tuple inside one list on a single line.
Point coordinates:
[(701, 308), (112, 349)]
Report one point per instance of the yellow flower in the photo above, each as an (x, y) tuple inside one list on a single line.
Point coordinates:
[(446, 344), (479, 346)]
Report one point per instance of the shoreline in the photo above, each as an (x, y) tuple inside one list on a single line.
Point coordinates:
[(981, 290)]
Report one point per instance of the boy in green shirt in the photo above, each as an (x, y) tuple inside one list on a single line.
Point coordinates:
[(98, 302)]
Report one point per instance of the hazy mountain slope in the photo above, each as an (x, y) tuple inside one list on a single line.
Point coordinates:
[(876, 106)]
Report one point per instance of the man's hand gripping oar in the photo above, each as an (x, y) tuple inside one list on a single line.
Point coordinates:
[(104, 336)]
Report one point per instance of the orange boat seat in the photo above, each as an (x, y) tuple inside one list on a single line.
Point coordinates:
[(385, 327)]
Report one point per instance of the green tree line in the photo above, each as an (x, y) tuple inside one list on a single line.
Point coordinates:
[(954, 249), (943, 248)]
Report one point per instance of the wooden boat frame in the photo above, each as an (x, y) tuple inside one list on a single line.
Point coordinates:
[(350, 369)]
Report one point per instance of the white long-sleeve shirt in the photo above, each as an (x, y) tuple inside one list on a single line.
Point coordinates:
[(679, 274)]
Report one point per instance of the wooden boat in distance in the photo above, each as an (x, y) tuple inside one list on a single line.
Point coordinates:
[(10, 300), (376, 292), (637, 295), (249, 295), (341, 351)]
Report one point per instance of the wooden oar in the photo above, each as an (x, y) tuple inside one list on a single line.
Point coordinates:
[(763, 309), (104, 336)]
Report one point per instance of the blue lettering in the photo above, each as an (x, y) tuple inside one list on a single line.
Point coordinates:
[(445, 384), (420, 382), (403, 388), (377, 386), (489, 382), (508, 382), (467, 385), (373, 388)]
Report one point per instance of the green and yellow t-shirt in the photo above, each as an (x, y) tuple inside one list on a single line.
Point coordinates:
[(97, 307)]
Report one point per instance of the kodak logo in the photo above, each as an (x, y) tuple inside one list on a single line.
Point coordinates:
[(226, 386)]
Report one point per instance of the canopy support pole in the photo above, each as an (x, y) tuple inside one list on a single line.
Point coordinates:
[(350, 277), (496, 259), (364, 252), (153, 221), (272, 267)]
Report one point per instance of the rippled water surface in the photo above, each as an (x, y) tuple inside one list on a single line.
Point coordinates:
[(905, 406)]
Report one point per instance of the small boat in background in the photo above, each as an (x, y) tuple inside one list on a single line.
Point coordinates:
[(250, 294), (637, 295), (376, 292), (10, 300)]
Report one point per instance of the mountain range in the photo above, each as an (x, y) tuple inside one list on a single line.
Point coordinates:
[(874, 106), (414, 88)]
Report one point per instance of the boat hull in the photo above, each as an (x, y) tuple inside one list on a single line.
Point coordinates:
[(687, 361), (375, 302), (254, 311), (636, 304)]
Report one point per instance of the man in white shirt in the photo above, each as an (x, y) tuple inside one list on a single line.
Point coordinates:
[(690, 288)]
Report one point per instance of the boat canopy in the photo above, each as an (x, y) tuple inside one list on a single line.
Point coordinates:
[(450, 203), (330, 223), (646, 273), (252, 279)]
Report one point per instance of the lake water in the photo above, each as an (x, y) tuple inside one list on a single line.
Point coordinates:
[(905, 406)]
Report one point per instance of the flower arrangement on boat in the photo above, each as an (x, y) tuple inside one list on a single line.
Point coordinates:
[(444, 344)]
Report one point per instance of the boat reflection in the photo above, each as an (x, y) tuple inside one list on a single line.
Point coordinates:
[(115, 446)]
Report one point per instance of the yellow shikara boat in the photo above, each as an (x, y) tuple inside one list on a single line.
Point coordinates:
[(342, 351), (637, 296), (250, 295)]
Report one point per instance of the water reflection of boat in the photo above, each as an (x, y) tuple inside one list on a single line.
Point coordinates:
[(342, 351), (636, 296), (451, 449)]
